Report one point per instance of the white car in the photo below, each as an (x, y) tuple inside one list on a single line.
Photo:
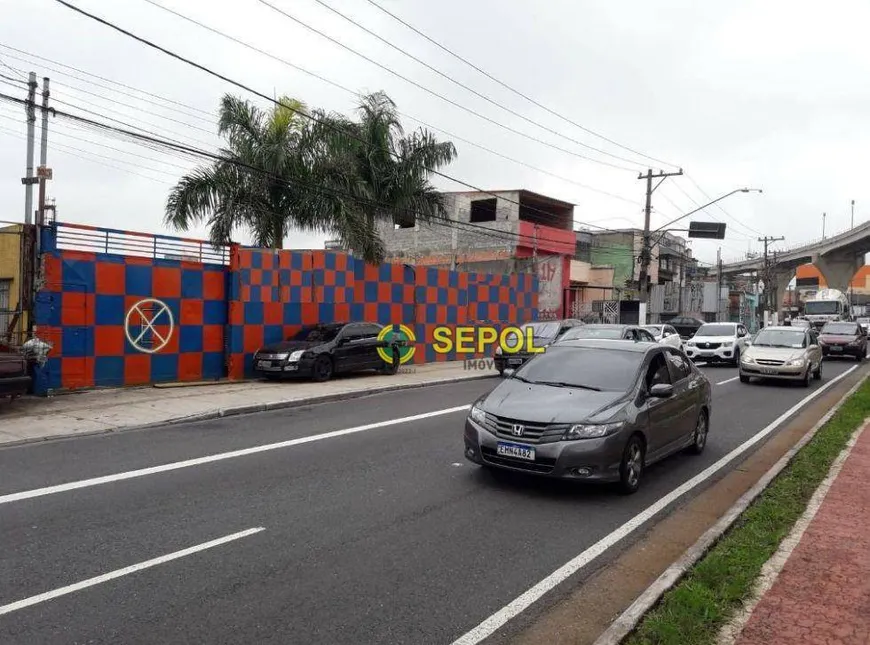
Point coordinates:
[(718, 343), (665, 334)]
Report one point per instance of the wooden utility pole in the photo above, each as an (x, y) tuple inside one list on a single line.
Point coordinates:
[(645, 250)]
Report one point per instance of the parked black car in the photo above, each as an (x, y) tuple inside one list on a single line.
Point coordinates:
[(592, 410), (321, 351), (545, 333), (686, 326)]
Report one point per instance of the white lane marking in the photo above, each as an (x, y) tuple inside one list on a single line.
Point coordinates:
[(727, 380), (199, 461), (90, 582), (490, 625)]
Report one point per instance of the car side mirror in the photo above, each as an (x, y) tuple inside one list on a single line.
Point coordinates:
[(661, 390), (509, 373)]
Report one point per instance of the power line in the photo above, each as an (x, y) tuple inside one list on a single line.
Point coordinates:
[(701, 190), (339, 86), (430, 91), (301, 112), (515, 91), (460, 84), (216, 157), (55, 67)]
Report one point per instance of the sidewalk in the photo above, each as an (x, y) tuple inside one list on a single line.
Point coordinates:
[(96, 411), (822, 593)]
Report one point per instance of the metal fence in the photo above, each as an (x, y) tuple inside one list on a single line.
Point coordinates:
[(78, 237)]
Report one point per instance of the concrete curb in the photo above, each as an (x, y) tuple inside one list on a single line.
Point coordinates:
[(251, 409), (629, 619)]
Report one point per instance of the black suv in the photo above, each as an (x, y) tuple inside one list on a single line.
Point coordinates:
[(321, 351)]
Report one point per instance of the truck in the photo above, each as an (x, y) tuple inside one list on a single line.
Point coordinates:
[(827, 305)]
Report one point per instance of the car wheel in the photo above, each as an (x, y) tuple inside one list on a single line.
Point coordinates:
[(806, 379), (818, 373), (631, 467), (702, 427), (323, 369), (744, 378)]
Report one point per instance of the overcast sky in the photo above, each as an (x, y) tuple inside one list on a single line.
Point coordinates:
[(766, 94)]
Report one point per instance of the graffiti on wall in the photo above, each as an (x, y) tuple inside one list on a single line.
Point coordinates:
[(550, 286)]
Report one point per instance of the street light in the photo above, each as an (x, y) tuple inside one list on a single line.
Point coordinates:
[(700, 208)]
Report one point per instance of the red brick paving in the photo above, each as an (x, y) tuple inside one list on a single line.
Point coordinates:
[(822, 594)]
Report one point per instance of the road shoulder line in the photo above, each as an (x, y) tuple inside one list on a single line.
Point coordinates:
[(631, 617)]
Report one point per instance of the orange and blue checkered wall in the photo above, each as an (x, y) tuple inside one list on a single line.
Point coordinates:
[(274, 293), (84, 311), (118, 320)]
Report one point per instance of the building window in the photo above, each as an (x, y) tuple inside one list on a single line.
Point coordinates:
[(404, 220), (482, 210)]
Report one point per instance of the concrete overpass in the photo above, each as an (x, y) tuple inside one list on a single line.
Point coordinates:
[(837, 258)]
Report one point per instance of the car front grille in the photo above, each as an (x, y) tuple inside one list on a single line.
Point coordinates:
[(766, 361), (270, 357), (709, 345), (541, 465), (531, 432)]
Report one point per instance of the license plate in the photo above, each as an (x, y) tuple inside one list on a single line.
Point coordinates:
[(834, 348), (267, 366), (768, 370), (515, 450), (515, 361)]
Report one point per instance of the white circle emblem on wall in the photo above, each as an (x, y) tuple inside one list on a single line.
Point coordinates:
[(151, 313)]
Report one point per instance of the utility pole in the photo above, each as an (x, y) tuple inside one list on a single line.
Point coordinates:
[(29, 179), (767, 239), (824, 217), (43, 157), (645, 251), (718, 282), (852, 225)]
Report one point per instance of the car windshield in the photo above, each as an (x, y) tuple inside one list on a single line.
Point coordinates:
[(583, 367), (317, 334), (591, 331), (542, 329), (780, 338), (655, 330), (716, 330), (840, 329), (822, 307)]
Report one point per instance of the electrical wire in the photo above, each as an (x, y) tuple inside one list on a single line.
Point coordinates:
[(302, 113), (460, 84), (512, 89), (433, 92), (719, 206), (347, 90)]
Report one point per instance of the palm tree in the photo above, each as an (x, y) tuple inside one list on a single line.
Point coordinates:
[(391, 170), (319, 173), (253, 184)]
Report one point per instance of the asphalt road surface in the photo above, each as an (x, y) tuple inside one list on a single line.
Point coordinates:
[(384, 534)]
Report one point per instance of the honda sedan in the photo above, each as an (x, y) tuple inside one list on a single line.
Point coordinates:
[(592, 410)]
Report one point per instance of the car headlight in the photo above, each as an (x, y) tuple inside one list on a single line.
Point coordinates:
[(295, 356), (690, 343), (797, 362), (591, 431), (477, 415), (748, 360)]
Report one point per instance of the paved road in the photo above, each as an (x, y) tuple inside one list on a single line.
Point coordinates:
[(385, 535)]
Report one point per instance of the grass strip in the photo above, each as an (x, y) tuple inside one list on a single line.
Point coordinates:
[(695, 610)]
